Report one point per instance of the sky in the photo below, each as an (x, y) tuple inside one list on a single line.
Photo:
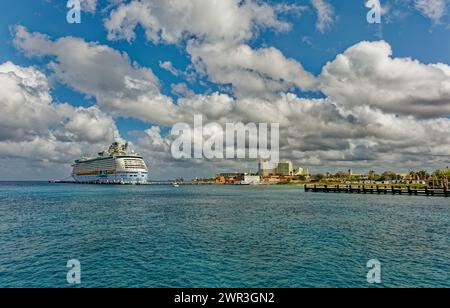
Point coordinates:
[(346, 93)]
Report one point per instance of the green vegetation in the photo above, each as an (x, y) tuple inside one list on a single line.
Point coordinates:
[(388, 178), (442, 174)]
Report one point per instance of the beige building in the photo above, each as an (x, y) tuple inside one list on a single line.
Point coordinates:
[(301, 172), (264, 168), (283, 168)]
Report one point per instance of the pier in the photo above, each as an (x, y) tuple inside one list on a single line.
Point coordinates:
[(364, 189)]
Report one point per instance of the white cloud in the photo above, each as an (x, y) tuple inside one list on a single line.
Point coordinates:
[(295, 9), (34, 128), (433, 9), (28, 110), (25, 102), (214, 107), (168, 66), (320, 133), (216, 34), (84, 124), (208, 20), (252, 72), (89, 5), (74, 56), (182, 90), (119, 85), (325, 14), (367, 75)]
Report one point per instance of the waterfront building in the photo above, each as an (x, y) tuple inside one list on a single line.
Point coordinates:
[(252, 179), (233, 175), (351, 174), (230, 178), (264, 168), (284, 168), (301, 172), (220, 180), (271, 180)]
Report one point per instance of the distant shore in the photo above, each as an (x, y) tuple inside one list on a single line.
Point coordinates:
[(193, 183)]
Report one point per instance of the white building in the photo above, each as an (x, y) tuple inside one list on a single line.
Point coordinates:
[(252, 179)]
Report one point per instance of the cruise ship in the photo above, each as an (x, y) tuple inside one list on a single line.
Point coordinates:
[(117, 165)]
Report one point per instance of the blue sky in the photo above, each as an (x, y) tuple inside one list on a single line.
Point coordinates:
[(409, 29)]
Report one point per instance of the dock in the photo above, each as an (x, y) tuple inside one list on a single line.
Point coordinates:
[(365, 189)]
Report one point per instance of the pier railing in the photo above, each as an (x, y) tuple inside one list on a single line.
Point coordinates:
[(380, 190)]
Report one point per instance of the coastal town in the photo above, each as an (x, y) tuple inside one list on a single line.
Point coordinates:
[(285, 173)]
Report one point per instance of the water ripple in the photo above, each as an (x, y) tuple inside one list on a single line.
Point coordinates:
[(219, 237)]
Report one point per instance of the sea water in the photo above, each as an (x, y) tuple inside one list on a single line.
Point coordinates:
[(219, 236)]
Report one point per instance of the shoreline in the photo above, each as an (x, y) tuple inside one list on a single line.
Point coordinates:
[(299, 184)]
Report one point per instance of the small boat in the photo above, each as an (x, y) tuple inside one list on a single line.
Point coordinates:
[(176, 185)]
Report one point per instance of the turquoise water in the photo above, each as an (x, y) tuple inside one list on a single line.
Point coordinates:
[(219, 236)]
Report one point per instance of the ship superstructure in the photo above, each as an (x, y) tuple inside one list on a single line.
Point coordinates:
[(117, 165)]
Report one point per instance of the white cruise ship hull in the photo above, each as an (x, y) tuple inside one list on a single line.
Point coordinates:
[(119, 178)]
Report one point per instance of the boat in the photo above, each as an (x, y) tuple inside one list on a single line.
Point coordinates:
[(176, 185), (117, 165)]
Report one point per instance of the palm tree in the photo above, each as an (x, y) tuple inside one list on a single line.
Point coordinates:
[(423, 175), (414, 176), (438, 174)]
